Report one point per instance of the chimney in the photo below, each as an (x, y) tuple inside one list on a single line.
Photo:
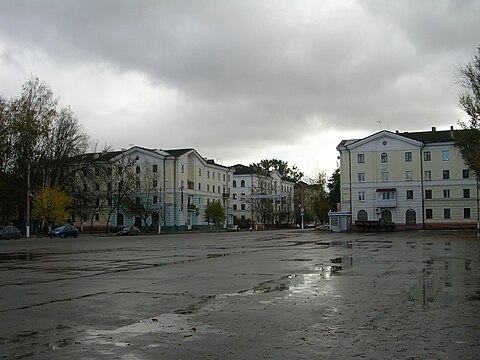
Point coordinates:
[(451, 127), (434, 128)]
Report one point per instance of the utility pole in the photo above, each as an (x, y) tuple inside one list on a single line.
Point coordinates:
[(27, 231)]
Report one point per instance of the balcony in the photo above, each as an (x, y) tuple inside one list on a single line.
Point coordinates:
[(386, 198), (191, 207)]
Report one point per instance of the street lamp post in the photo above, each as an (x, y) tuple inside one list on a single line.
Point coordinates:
[(27, 231)]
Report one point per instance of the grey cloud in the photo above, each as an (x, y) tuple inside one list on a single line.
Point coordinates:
[(268, 67)]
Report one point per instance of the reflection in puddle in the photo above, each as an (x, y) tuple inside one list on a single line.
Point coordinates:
[(165, 323)]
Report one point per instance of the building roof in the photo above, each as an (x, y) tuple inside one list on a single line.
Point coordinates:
[(425, 137)]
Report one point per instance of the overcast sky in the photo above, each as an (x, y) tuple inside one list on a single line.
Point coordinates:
[(241, 81)]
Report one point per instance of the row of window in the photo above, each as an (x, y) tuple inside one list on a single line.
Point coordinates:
[(427, 156), (427, 175), (390, 195), (410, 215), (447, 213)]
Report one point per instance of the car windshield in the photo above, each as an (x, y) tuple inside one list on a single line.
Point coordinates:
[(60, 228)]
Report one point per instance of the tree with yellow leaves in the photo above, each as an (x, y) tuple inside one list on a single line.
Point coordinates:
[(50, 206)]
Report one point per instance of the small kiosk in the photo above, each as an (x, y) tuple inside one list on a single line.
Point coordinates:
[(339, 221)]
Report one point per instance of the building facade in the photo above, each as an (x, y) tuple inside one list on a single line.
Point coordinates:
[(154, 189), (417, 179), (260, 199)]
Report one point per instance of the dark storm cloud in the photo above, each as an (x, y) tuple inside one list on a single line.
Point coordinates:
[(267, 67)]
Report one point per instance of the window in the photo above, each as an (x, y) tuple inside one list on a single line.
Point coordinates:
[(199, 172), (410, 194), (466, 213), (428, 194), (361, 177), (97, 186), (446, 174), (362, 215), (234, 183), (137, 184), (97, 217), (154, 184), (242, 206), (120, 219), (427, 174), (213, 174), (427, 156), (384, 176), (85, 187), (428, 213), (386, 195), (234, 196), (408, 175), (445, 155), (361, 196), (155, 168), (97, 172), (234, 207), (466, 173), (466, 193), (155, 199), (408, 156), (182, 168), (384, 158), (223, 177), (242, 183), (410, 217), (208, 187), (446, 213), (109, 186), (137, 170), (137, 200), (208, 174), (361, 158), (199, 186), (446, 193), (213, 188)]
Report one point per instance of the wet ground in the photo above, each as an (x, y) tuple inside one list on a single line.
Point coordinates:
[(246, 295)]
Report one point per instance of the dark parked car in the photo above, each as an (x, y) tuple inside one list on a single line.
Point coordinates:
[(64, 231), (131, 230), (9, 232)]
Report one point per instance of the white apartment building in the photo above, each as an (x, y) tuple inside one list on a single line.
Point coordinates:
[(261, 200), (169, 189), (416, 179)]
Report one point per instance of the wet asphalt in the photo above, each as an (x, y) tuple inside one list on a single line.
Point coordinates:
[(249, 295)]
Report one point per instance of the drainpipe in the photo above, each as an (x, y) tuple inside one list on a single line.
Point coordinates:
[(421, 185), (350, 178)]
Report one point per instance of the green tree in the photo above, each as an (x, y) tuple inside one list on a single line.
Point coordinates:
[(467, 140), (288, 172), (214, 213), (333, 187), (51, 206)]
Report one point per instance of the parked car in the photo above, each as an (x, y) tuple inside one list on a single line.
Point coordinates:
[(9, 232), (310, 224), (64, 231), (130, 230), (233, 228)]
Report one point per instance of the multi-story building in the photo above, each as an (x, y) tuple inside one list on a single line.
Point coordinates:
[(261, 199), (153, 188), (416, 179)]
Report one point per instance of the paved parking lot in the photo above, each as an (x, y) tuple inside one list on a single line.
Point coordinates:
[(247, 295)]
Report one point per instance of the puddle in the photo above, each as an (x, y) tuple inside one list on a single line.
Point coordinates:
[(21, 256), (175, 324)]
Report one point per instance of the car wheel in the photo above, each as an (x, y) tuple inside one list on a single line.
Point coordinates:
[(75, 235)]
